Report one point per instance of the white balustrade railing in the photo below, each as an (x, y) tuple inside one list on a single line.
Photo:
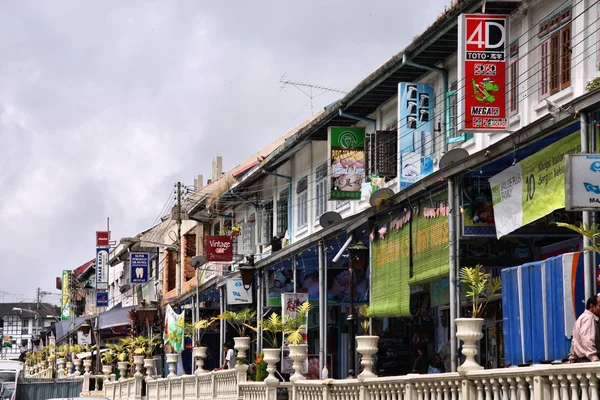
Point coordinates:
[(41, 373)]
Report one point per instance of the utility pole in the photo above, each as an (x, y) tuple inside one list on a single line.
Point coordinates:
[(179, 273), (38, 298)]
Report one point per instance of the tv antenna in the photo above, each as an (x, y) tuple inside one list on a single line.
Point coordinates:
[(299, 85)]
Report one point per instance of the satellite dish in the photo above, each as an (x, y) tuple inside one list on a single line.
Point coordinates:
[(454, 155), (198, 261), (329, 218), (380, 195)]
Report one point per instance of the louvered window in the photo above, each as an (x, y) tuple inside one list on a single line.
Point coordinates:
[(282, 213), (302, 195), (381, 154), (246, 246), (266, 224), (321, 190), (555, 53)]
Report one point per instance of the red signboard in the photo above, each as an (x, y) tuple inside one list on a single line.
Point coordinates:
[(482, 63), (219, 248), (102, 238)]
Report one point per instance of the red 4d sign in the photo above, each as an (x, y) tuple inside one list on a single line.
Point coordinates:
[(219, 248), (482, 63)]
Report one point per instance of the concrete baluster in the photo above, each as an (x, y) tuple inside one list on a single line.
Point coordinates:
[(574, 386), (593, 381)]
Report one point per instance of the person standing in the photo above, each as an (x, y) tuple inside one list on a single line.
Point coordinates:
[(229, 362), (421, 365), (586, 335)]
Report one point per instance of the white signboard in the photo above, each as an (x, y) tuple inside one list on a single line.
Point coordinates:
[(236, 294), (84, 339), (582, 182), (102, 265), (508, 200)]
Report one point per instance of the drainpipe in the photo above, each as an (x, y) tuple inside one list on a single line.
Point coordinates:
[(370, 121), (322, 308), (259, 309), (289, 179), (444, 73), (589, 277)]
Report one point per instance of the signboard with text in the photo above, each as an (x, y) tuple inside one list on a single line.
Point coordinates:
[(482, 61), (219, 248), (102, 238), (65, 312), (347, 150), (582, 182), (102, 254), (236, 294), (101, 299), (533, 187), (139, 264)]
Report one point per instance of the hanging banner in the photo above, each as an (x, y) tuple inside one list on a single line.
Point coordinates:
[(139, 264), (219, 248), (65, 311), (415, 132), (482, 56), (532, 188), (102, 254), (347, 149), (173, 330)]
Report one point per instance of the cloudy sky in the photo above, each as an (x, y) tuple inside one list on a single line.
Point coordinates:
[(104, 105)]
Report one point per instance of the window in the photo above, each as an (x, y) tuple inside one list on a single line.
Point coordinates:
[(452, 129), (302, 195), (321, 190), (555, 53), (190, 251), (217, 228), (381, 150), (190, 245), (266, 221), (247, 238), (513, 79), (171, 267), (282, 213)]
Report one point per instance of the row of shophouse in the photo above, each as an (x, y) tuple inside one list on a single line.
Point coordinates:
[(440, 216)]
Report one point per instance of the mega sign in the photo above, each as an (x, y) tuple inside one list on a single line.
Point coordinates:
[(482, 56), (219, 248)]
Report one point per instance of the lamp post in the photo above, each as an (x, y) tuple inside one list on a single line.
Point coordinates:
[(358, 257), (247, 272)]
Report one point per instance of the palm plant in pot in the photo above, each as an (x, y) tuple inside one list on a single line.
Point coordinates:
[(366, 344), (272, 328), (172, 338), (480, 288), (294, 329), (240, 320), (121, 353), (108, 358), (199, 353)]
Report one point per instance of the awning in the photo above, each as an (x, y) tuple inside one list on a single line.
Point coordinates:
[(64, 327), (116, 316)]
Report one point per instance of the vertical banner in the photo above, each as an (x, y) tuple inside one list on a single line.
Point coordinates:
[(102, 255), (482, 57), (415, 132), (173, 330), (347, 150), (65, 310), (289, 304), (139, 264)]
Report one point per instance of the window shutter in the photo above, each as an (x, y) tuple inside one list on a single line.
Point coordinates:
[(302, 185), (321, 172), (247, 235), (384, 156)]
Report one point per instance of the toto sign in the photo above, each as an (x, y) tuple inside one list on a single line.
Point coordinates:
[(219, 248)]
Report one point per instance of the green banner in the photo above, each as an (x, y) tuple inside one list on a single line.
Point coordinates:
[(431, 256), (390, 271), (347, 154), (532, 188)]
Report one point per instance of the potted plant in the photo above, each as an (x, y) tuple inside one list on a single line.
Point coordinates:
[(139, 349), (107, 359), (366, 344), (294, 329), (272, 328), (240, 320), (172, 338), (200, 351), (121, 353), (480, 288)]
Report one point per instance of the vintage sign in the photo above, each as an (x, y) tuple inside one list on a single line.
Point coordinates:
[(415, 132), (482, 61), (140, 265), (582, 182), (219, 248), (102, 238), (102, 254), (347, 150), (533, 187), (65, 311)]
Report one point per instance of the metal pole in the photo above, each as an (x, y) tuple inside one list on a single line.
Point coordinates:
[(294, 273), (197, 310), (351, 318), (324, 345), (259, 308), (589, 278), (223, 334), (322, 307), (453, 270), (178, 272)]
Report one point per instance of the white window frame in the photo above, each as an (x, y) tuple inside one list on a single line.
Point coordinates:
[(321, 201), (302, 202)]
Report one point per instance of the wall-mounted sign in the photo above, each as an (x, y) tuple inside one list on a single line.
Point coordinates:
[(415, 132), (102, 254), (533, 187), (65, 312), (102, 299), (102, 238), (482, 56), (139, 264), (347, 150), (84, 339), (219, 248), (236, 294), (582, 182)]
